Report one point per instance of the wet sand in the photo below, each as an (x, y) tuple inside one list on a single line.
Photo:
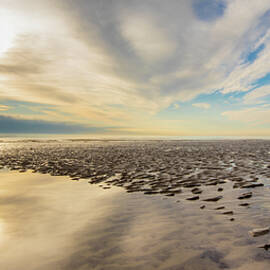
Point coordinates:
[(49, 222)]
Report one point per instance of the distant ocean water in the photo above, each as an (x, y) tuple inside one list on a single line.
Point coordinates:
[(59, 137)]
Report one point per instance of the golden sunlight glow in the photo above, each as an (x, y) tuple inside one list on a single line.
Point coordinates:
[(9, 28), (2, 231)]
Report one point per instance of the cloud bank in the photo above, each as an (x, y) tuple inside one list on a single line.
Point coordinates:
[(113, 62), (15, 125)]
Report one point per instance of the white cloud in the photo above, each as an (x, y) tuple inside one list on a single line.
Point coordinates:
[(141, 56), (202, 105), (256, 96), (147, 38), (256, 115), (244, 75)]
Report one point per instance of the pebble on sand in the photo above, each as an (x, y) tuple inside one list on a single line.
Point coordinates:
[(220, 208), (266, 246), (245, 196), (227, 213), (244, 204), (260, 231), (193, 198), (214, 199), (253, 185)]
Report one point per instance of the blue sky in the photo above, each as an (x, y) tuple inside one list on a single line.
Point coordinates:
[(188, 67), (209, 10)]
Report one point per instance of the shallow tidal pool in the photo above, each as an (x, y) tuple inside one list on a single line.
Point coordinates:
[(51, 222)]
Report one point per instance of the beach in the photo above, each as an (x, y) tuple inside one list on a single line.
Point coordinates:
[(80, 204)]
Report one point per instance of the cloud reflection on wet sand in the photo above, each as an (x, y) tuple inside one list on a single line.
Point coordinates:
[(52, 223)]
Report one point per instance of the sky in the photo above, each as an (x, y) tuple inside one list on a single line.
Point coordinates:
[(131, 67)]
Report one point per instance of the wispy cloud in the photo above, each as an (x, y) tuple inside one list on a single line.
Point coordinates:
[(116, 62), (201, 105), (4, 107), (257, 95), (255, 115)]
